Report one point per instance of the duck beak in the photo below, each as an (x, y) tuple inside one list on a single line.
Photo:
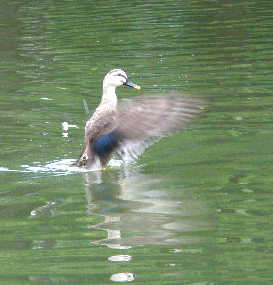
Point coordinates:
[(132, 84)]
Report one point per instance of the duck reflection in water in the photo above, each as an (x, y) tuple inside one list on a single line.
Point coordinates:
[(138, 210)]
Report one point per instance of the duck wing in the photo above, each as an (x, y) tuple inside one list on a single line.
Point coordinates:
[(98, 140), (103, 121), (144, 120)]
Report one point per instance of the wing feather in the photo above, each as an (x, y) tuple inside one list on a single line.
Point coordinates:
[(144, 120)]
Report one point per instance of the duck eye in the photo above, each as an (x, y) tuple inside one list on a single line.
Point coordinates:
[(121, 75)]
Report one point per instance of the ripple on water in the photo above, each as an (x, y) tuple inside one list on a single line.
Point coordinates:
[(120, 257), (123, 277)]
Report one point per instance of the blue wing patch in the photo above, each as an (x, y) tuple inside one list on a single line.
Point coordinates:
[(104, 145)]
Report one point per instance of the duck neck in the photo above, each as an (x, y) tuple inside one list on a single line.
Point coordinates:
[(109, 96)]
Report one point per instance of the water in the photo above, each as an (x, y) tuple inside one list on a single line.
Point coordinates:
[(197, 207)]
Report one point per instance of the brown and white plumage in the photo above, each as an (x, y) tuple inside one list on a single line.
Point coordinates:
[(128, 127)]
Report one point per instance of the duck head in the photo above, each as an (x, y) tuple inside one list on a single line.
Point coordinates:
[(117, 77)]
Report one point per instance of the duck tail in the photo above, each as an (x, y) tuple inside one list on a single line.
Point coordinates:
[(86, 157)]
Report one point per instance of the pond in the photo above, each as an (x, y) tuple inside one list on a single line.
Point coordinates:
[(196, 208)]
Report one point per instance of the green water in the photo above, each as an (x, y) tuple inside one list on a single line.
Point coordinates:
[(196, 209)]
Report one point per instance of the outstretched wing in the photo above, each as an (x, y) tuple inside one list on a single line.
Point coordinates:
[(142, 121)]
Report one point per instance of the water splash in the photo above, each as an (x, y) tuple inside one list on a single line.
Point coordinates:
[(57, 167)]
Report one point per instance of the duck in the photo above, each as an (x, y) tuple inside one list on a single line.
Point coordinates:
[(128, 127)]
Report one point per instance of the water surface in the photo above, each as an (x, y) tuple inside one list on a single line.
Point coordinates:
[(197, 207)]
